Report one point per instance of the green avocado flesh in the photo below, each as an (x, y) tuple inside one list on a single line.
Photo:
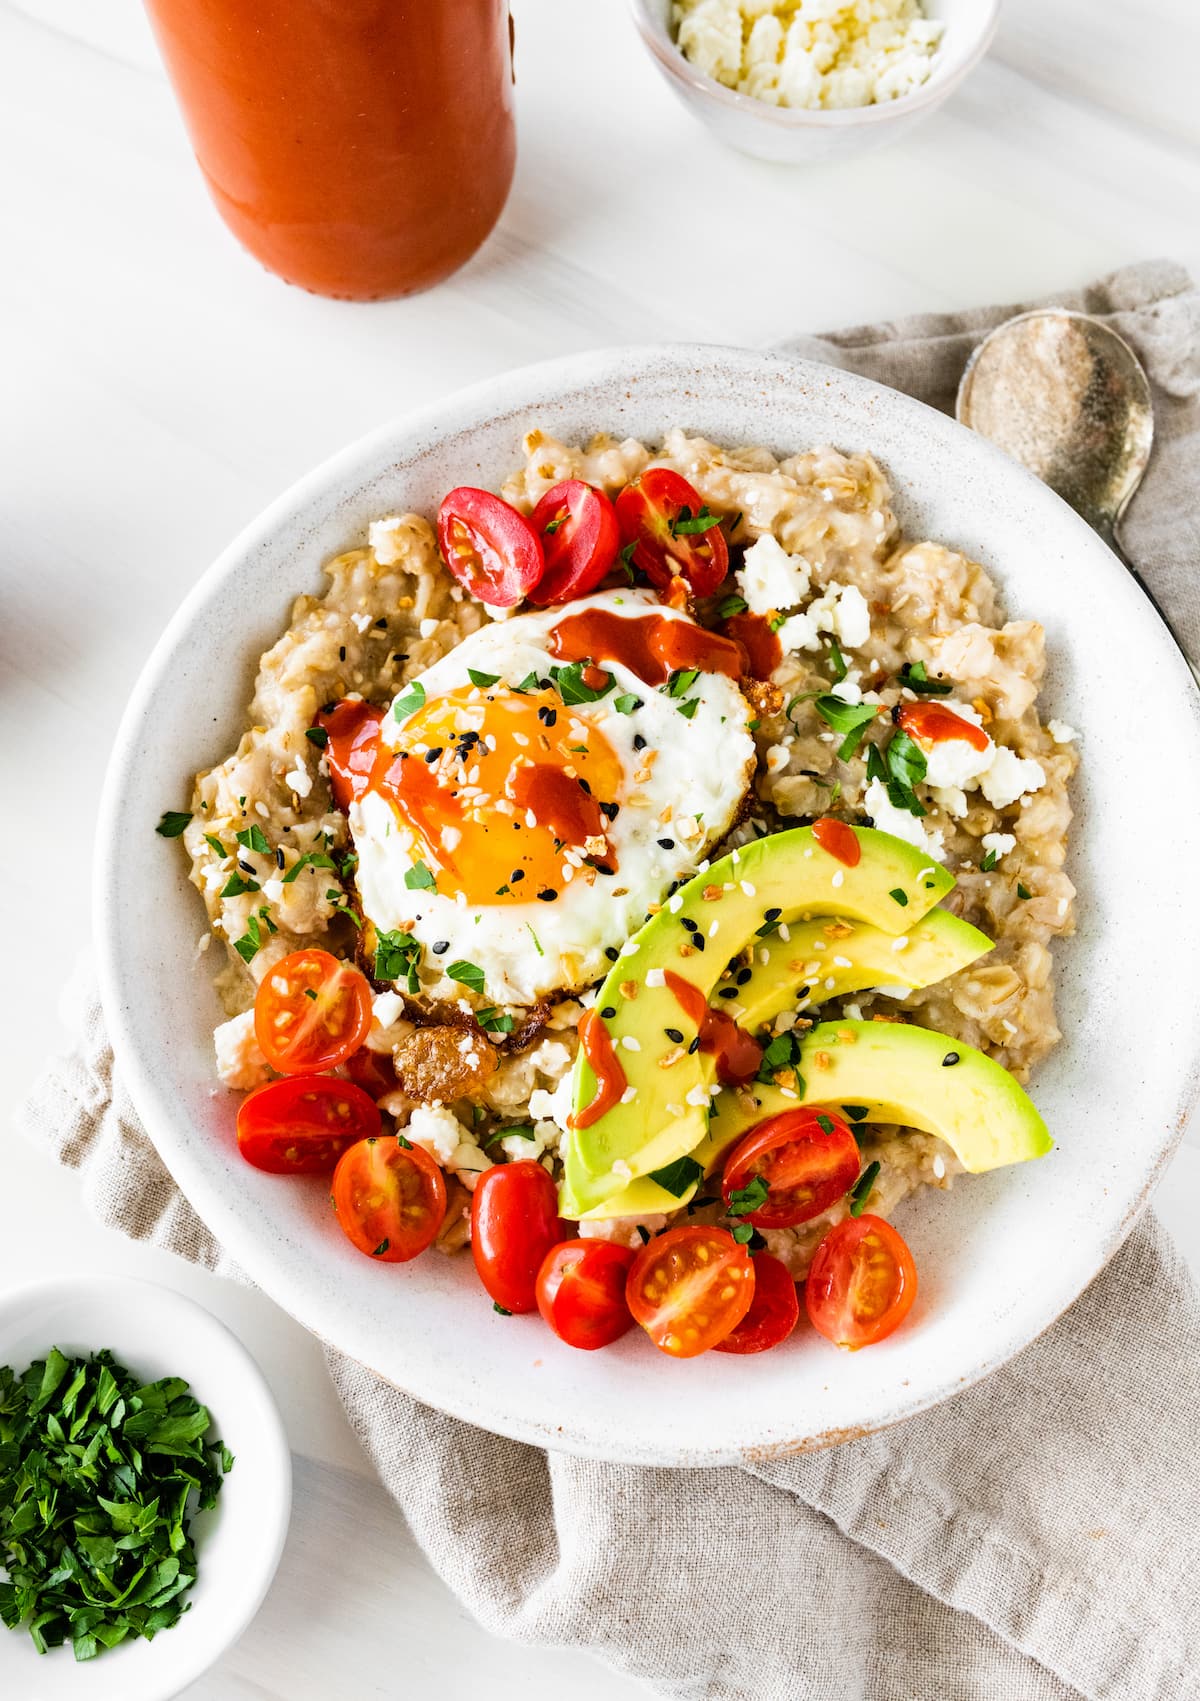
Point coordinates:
[(754, 894), (902, 1074)]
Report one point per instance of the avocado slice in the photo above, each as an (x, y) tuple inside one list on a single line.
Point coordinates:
[(752, 894), (824, 959), (898, 1073)]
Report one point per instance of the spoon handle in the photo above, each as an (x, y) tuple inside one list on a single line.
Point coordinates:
[(1108, 533)]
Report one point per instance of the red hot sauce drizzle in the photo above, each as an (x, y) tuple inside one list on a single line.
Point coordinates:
[(651, 645), (738, 1054), (759, 641), (934, 723), (611, 1079), (838, 839)]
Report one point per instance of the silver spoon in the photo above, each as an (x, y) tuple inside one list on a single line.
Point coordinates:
[(1068, 398)]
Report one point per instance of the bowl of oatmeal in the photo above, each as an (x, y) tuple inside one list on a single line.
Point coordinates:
[(903, 569), (802, 81)]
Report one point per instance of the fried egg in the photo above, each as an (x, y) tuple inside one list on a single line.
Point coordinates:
[(552, 777)]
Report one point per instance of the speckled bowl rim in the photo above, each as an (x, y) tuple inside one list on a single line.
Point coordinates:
[(450, 1385)]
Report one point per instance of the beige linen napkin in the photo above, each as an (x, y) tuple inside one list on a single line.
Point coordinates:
[(1035, 1539)]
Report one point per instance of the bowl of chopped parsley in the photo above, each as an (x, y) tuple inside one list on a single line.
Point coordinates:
[(145, 1490)]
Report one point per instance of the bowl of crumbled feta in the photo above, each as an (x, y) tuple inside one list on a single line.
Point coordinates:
[(798, 81)]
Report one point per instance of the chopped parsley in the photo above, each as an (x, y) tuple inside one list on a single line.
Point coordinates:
[(743, 1201), (906, 767), (782, 1053), (493, 1022), (861, 1191), (401, 1141), (384, 1246), (310, 859), (688, 709), (172, 823), (396, 958), (989, 862), (850, 719), (837, 662), (685, 524), (529, 683), (916, 677), (900, 895), (251, 942), (341, 904), (537, 944), (317, 735), (503, 1311), (573, 688), (729, 606), (1023, 891), (483, 680), (412, 700), (743, 1233), (419, 879), (468, 974), (214, 844), (676, 1178), (681, 681), (626, 703), (237, 884), (825, 1123), (856, 1112), (100, 1476), (253, 838)]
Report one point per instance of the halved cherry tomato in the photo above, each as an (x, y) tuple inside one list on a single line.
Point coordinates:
[(302, 1125), (774, 1310), (389, 1198), (311, 1012), (580, 538), (514, 1223), (806, 1159), (689, 1288), (861, 1284), (488, 546), (581, 1292), (373, 1071), (674, 534)]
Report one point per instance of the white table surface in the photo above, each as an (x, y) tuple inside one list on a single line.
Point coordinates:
[(157, 388)]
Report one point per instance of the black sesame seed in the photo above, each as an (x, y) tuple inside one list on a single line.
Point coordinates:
[(612, 810), (611, 952), (686, 921), (698, 941), (439, 945), (547, 715), (674, 1034), (548, 896), (587, 788), (896, 711), (246, 867), (950, 1059), (279, 857), (381, 625), (328, 708), (728, 992), (603, 868), (667, 844), (772, 915), (608, 1012), (399, 658), (639, 743), (695, 1045), (342, 653), (517, 874), (743, 976), (431, 756)]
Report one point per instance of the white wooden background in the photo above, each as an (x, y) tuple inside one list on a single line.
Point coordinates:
[(157, 388)]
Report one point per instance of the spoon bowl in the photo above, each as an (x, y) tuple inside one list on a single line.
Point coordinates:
[(1068, 398)]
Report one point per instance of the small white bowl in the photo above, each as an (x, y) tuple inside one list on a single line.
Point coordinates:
[(157, 1332), (796, 136)]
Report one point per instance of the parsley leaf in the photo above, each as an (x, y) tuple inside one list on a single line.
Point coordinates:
[(412, 700), (419, 879), (396, 958), (782, 1053), (492, 1022), (861, 1191), (626, 703), (685, 524), (837, 662), (900, 896), (483, 680), (688, 709), (310, 859), (850, 719), (729, 606), (468, 974), (250, 944), (745, 1200), (916, 677), (214, 844), (573, 688), (906, 768), (172, 823), (99, 1477), (681, 681), (856, 1112), (237, 884), (529, 683), (1023, 891), (537, 944), (676, 1178), (743, 1233), (989, 862), (253, 838), (317, 735)]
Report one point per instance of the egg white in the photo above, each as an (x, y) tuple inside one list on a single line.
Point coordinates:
[(698, 769)]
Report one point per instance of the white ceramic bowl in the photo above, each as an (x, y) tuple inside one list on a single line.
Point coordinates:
[(1002, 1254), (157, 1332), (792, 136)]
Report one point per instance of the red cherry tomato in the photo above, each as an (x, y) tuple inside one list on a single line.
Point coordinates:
[(390, 1199), (674, 534), (514, 1223), (581, 1292), (373, 1071), (488, 546), (302, 1125), (806, 1159), (774, 1310), (689, 1288), (311, 1012), (577, 525), (861, 1284)]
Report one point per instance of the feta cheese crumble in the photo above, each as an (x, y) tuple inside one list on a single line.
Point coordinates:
[(818, 54)]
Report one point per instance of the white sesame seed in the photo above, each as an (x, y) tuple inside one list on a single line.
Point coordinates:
[(675, 903), (748, 889), (698, 1096), (630, 1043), (630, 948), (899, 944), (784, 932), (842, 963), (714, 929), (655, 977), (839, 878), (764, 956), (628, 1096), (675, 1110), (939, 1166), (830, 984)]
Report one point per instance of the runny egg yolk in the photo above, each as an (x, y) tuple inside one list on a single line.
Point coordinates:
[(503, 790)]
